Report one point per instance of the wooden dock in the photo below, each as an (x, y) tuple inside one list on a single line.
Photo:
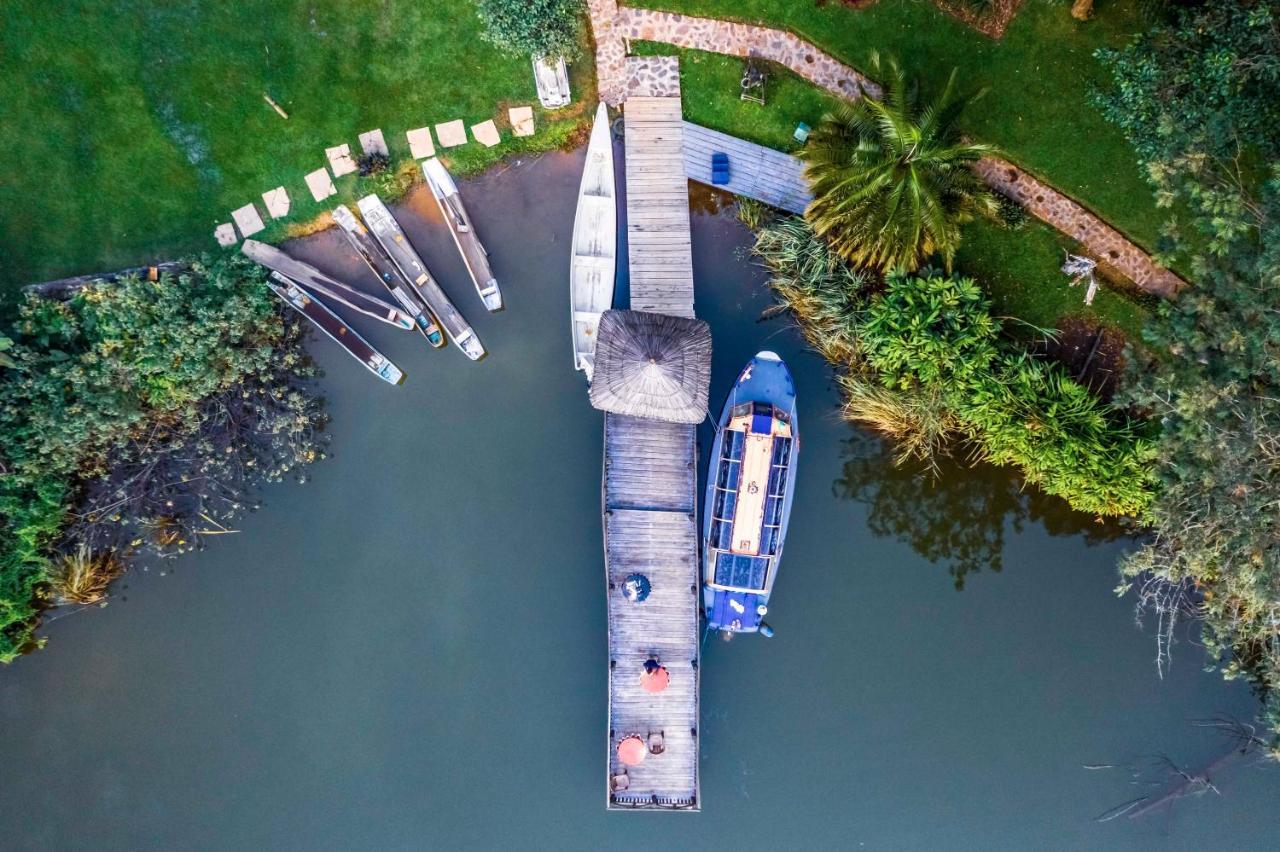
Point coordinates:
[(755, 171), (659, 246), (649, 491)]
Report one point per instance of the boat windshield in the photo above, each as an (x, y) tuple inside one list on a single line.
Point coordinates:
[(741, 572)]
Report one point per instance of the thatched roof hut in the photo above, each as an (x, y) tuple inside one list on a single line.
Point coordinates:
[(652, 365)]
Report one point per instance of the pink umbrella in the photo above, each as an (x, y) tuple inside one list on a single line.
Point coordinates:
[(632, 750), (655, 680)]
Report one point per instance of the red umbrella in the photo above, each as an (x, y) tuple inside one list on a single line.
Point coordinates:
[(655, 680), (632, 750)]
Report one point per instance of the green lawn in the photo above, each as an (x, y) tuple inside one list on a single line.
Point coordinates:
[(131, 128), (1020, 269), (1038, 78)]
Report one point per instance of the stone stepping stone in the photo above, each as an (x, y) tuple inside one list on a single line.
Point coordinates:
[(247, 220), (451, 134), (277, 201), (373, 142), (225, 234), (320, 184), (420, 145), (340, 160), (521, 120), (486, 133)]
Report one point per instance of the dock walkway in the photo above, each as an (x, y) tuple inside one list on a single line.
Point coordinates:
[(755, 171), (650, 481)]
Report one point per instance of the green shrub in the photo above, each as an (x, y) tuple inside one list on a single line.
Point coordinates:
[(533, 27), (925, 363), (148, 407)]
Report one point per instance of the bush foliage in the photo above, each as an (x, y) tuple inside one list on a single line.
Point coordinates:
[(1199, 99), (926, 362), (148, 407), (533, 27)]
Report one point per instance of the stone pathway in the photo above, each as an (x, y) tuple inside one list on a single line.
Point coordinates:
[(277, 201), (521, 120), (340, 161), (451, 133), (1114, 252), (614, 25), (486, 133), (320, 184), (247, 220), (420, 144), (225, 234), (373, 142)]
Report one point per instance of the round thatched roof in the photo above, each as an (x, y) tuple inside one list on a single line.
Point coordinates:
[(652, 365)]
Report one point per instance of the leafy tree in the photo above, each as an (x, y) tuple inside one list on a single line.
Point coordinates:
[(148, 407), (538, 27), (1199, 99), (891, 178), (1202, 85)]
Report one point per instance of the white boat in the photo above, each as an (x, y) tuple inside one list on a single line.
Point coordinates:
[(474, 254), (332, 325), (552, 80), (595, 245), (317, 282), (387, 231)]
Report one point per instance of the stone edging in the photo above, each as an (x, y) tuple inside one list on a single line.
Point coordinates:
[(614, 25)]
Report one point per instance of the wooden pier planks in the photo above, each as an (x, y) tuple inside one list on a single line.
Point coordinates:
[(659, 249), (650, 483), (755, 171), (651, 528)]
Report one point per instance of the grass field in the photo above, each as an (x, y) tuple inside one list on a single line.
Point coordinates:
[(132, 128), (1020, 269), (1038, 79)]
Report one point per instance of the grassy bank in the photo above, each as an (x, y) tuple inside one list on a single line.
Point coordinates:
[(1038, 77), (141, 125), (1020, 269)]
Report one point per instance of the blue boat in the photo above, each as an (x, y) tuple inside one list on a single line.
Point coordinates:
[(750, 485)]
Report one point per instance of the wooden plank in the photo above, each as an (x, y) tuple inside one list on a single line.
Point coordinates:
[(649, 485)]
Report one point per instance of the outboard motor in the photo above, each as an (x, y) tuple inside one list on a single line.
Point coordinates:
[(766, 631)]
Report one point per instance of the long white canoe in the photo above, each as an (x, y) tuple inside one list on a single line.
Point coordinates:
[(391, 237), (474, 254), (595, 245), (339, 332), (317, 282), (380, 264)]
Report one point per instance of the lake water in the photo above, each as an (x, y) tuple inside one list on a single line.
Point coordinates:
[(409, 650)]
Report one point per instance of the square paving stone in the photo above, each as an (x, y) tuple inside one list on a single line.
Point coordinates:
[(486, 133), (225, 234), (340, 160), (451, 134), (277, 201), (420, 144), (320, 184), (521, 120), (247, 220), (373, 142)]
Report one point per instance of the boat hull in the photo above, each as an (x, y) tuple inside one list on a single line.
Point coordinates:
[(323, 318), (593, 267), (750, 486), (317, 282), (474, 255), (380, 264), (392, 238)]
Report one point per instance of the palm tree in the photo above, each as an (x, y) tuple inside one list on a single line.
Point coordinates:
[(891, 181)]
